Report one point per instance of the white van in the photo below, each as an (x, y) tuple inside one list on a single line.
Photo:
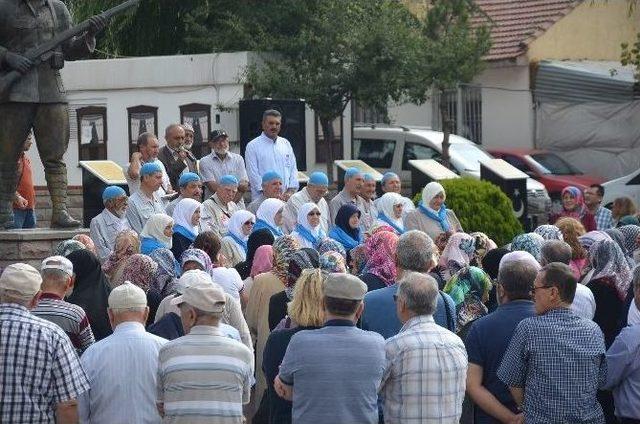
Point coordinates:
[(627, 186), (391, 148)]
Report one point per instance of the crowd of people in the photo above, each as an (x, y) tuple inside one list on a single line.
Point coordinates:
[(267, 303)]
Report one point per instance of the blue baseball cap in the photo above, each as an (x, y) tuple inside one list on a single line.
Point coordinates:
[(270, 176), (188, 177), (319, 178), (351, 172), (112, 192), (150, 168), (227, 180)]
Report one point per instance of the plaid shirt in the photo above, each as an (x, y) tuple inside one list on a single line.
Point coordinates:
[(604, 219), (39, 367), (426, 374), (559, 360)]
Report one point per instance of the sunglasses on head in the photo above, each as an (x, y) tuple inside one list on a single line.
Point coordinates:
[(314, 213)]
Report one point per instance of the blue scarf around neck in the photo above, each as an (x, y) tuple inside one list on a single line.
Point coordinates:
[(261, 223), (441, 216), (385, 218), (238, 240), (149, 244), (185, 232), (341, 236), (306, 234)]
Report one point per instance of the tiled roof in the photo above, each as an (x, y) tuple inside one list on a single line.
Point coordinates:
[(516, 23)]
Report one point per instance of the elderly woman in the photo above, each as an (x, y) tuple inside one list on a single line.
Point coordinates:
[(187, 220), (380, 269), (528, 242), (432, 216), (469, 289), (234, 244), (308, 231), (458, 253), (573, 207), (269, 216), (127, 244), (390, 210), (332, 261), (168, 272), (156, 233), (549, 232)]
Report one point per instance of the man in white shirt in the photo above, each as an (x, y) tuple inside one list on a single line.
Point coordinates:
[(148, 149), (314, 192), (146, 201), (391, 183), (268, 152), (106, 226), (123, 368), (223, 162)]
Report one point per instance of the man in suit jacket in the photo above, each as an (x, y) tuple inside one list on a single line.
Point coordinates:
[(174, 156)]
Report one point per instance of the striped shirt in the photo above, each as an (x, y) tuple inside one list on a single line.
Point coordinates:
[(426, 374), (204, 377), (38, 367), (71, 318)]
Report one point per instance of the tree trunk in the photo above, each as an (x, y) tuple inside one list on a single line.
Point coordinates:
[(327, 132), (446, 129)]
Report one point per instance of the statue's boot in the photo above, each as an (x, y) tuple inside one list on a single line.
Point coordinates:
[(7, 193), (60, 217)]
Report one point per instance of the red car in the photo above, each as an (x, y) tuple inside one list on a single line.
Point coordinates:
[(548, 168)]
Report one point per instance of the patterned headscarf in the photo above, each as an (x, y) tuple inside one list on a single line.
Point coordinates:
[(469, 288), (333, 262), (580, 210), (168, 271), (283, 249), (140, 270), (127, 243), (330, 245), (358, 256), (199, 256), (459, 252), (607, 260), (263, 260), (549, 232), (528, 242), (630, 233), (68, 246), (617, 236), (483, 244), (300, 260), (587, 240), (86, 240), (381, 250)]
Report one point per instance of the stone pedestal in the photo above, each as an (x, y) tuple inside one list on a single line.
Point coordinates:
[(32, 246)]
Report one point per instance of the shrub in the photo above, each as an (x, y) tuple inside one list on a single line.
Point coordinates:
[(481, 206)]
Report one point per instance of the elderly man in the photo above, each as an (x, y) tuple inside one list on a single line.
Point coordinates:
[(146, 201), (41, 374), (555, 361), (57, 282), (593, 200), (415, 252), (203, 376), (426, 364), (353, 184), (189, 134), (268, 152), (271, 189), (222, 162), (175, 158), (110, 222), (490, 335), (623, 366), (148, 148), (217, 210), (314, 192), (130, 354), (584, 304), (369, 212), (190, 187), (332, 375), (391, 183)]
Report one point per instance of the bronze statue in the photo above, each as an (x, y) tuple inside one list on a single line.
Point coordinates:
[(36, 37)]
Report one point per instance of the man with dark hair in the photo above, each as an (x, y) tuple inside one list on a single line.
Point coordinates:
[(555, 361), (332, 375), (593, 199), (490, 335), (269, 152), (148, 148)]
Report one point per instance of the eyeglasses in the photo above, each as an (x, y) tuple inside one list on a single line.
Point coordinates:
[(533, 290), (314, 213), (249, 223)]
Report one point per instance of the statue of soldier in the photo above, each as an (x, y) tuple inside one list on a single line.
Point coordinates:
[(37, 100)]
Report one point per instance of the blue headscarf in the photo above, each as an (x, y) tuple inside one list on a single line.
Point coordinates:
[(342, 231), (304, 229), (430, 191)]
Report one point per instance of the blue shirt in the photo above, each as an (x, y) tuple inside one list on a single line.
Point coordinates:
[(486, 343), (603, 218), (263, 154), (335, 372), (380, 312), (558, 358), (623, 372)]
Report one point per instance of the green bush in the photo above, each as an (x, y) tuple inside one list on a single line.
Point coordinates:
[(481, 206)]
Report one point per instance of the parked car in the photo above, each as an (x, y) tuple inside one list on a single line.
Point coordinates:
[(548, 168), (391, 148), (627, 186)]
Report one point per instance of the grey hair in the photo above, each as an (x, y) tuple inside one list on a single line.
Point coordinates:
[(10, 296), (52, 275), (516, 278), (143, 139), (271, 112), (203, 314), (416, 251), (555, 251), (419, 292), (170, 127), (121, 310), (636, 278)]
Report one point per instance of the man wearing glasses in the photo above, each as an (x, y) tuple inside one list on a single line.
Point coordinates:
[(555, 362)]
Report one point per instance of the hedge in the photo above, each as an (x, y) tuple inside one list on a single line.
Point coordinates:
[(481, 206)]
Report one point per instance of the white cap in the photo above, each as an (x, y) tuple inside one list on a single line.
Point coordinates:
[(21, 279), (58, 262), (192, 277), (127, 296)]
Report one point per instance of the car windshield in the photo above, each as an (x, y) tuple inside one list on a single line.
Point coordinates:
[(554, 164), (469, 155)]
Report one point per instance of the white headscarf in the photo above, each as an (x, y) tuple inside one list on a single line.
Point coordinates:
[(430, 191), (236, 222), (183, 213), (386, 204), (302, 218), (154, 228), (268, 210)]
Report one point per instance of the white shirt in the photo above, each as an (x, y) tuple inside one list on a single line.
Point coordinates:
[(103, 230), (263, 154), (584, 304), (122, 371)]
